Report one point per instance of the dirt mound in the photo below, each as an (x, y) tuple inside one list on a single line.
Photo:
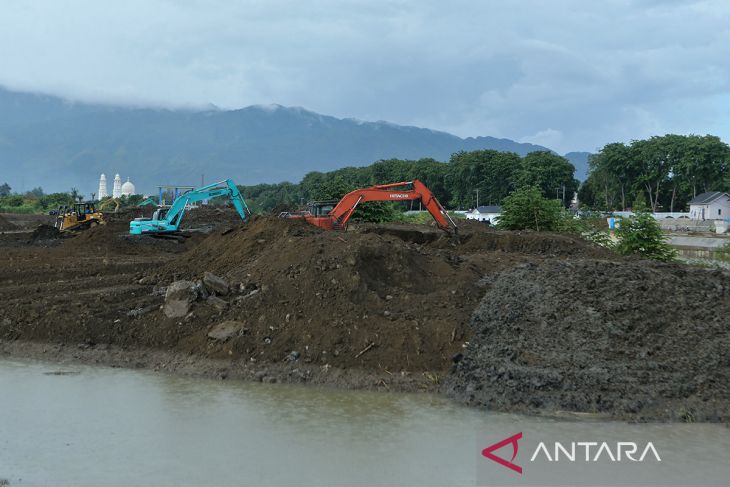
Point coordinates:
[(45, 233), (113, 238), (631, 339), (5, 225), (214, 216), (331, 295), (125, 215), (474, 237)]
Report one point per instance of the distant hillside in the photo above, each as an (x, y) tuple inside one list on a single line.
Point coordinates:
[(48, 142), (580, 161)]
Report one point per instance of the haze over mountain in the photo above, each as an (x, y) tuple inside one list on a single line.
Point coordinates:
[(49, 142)]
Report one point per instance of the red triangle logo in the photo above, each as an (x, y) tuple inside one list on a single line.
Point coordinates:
[(487, 452)]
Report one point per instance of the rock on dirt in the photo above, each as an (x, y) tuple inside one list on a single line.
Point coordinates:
[(217, 303), (632, 339), (215, 284), (179, 298), (226, 330)]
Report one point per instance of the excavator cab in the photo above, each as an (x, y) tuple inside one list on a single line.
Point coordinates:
[(159, 214), (321, 208)]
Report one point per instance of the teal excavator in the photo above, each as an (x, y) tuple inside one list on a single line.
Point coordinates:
[(167, 220)]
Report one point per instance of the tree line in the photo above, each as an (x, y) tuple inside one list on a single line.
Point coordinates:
[(666, 171), (486, 176)]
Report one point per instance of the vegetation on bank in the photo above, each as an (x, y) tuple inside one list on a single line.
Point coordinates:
[(667, 171), (527, 209)]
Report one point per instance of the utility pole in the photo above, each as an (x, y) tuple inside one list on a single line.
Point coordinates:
[(477, 190)]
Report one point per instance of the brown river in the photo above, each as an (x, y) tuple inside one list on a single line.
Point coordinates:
[(71, 425)]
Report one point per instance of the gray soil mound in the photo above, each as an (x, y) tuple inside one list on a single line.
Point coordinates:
[(629, 339)]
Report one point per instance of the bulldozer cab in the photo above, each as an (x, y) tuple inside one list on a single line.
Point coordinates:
[(83, 210), (78, 216)]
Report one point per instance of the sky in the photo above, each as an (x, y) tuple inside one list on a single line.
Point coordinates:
[(570, 75)]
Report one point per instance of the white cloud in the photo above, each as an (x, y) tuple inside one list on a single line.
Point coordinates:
[(592, 72)]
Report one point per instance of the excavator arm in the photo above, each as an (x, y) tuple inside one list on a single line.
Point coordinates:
[(173, 217), (403, 191)]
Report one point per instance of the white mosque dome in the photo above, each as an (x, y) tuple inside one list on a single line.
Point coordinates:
[(128, 188)]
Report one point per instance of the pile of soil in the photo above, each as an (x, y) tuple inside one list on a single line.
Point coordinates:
[(328, 296), (630, 339), (5, 225), (213, 216), (125, 215), (45, 234), (113, 238)]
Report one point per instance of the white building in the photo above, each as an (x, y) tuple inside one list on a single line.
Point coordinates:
[(710, 206), (102, 187), (128, 188), (485, 214), (117, 187)]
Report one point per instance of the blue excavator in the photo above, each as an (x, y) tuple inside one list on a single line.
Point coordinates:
[(167, 220)]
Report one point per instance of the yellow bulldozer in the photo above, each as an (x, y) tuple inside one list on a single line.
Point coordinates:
[(79, 216)]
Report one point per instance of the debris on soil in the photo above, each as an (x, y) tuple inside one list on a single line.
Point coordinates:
[(226, 330), (215, 284), (633, 339), (179, 298)]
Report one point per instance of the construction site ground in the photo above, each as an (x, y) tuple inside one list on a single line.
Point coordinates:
[(517, 321)]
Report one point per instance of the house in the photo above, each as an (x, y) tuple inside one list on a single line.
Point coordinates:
[(710, 206), (485, 214)]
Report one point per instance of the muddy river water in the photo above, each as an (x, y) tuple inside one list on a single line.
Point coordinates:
[(70, 425)]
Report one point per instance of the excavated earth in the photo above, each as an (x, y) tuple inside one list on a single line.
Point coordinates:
[(510, 320), (628, 339)]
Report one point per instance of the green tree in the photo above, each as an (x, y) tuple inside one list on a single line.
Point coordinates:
[(553, 174), (36, 192), (615, 167), (5, 189), (642, 235), (527, 209), (490, 172)]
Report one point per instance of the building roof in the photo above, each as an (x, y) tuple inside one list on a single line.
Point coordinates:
[(706, 198), (488, 209)]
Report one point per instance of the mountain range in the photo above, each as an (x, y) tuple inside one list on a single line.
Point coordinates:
[(56, 144)]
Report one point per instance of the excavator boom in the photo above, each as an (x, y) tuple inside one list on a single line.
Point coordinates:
[(169, 221), (404, 191)]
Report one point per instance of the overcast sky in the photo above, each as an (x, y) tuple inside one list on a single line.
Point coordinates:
[(572, 75)]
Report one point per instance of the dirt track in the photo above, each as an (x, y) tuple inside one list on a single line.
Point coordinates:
[(377, 306)]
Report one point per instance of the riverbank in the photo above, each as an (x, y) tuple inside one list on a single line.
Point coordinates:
[(170, 362), (392, 307)]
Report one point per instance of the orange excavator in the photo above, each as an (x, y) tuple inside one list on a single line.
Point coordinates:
[(334, 215)]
